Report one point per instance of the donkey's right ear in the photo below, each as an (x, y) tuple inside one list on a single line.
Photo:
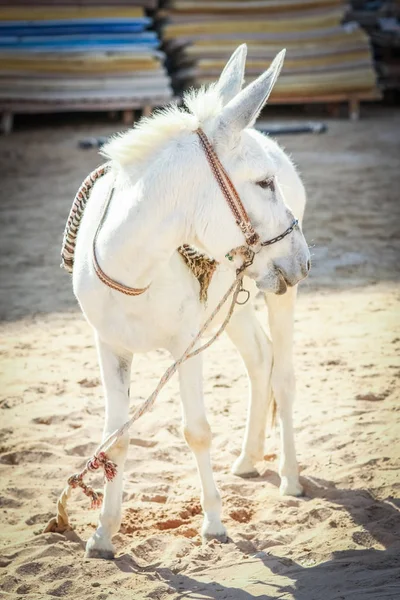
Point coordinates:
[(244, 108), (232, 77)]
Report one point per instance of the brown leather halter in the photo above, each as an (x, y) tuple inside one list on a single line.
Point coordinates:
[(248, 251), (253, 244)]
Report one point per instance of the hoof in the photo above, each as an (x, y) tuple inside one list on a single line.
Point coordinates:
[(244, 467), (220, 537), (97, 547), (291, 487), (248, 475), (97, 553), (214, 531)]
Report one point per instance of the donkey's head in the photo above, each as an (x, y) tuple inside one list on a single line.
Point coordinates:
[(176, 194), (260, 173)]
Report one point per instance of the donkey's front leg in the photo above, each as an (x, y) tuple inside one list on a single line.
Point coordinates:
[(115, 369), (198, 437), (255, 348), (281, 321)]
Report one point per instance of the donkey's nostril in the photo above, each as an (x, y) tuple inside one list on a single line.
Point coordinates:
[(308, 265)]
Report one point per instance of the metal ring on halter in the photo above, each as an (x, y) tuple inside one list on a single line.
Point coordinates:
[(247, 263), (247, 297)]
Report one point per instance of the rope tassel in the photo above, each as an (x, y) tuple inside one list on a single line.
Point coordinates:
[(96, 498)]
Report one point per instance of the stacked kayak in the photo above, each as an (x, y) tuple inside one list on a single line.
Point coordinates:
[(80, 56)]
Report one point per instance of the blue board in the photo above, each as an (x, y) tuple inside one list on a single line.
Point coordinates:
[(71, 29), (149, 38), (106, 22), (88, 47)]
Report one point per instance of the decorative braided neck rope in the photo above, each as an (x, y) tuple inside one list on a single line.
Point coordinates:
[(100, 459), (75, 216), (200, 264)]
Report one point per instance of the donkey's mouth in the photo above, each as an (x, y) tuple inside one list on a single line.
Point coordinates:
[(275, 283), (282, 285)]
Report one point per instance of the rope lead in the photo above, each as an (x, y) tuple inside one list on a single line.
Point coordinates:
[(100, 459)]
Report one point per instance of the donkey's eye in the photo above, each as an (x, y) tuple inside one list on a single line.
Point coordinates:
[(267, 184)]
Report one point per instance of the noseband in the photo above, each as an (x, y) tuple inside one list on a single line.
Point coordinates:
[(253, 244)]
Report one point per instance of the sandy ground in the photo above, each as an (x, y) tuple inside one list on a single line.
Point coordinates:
[(339, 542)]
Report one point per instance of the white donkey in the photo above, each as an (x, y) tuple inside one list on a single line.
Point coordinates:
[(165, 195)]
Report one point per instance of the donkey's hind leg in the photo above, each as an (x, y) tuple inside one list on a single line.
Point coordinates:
[(255, 348), (115, 369)]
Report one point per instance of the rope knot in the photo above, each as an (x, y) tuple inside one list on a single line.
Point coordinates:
[(101, 460), (75, 480)]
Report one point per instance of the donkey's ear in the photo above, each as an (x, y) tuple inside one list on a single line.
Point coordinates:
[(243, 109), (231, 79)]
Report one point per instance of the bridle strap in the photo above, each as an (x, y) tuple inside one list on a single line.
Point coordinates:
[(236, 206), (228, 190), (280, 237), (111, 283)]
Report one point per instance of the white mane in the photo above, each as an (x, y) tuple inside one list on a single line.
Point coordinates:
[(153, 133)]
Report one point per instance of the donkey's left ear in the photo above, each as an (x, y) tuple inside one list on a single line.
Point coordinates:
[(244, 108), (232, 77)]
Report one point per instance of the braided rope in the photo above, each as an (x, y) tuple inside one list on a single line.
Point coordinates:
[(201, 265), (75, 217), (100, 459)]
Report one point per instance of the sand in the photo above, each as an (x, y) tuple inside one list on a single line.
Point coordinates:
[(339, 542)]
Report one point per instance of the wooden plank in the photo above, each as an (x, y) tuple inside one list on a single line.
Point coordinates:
[(128, 117), (151, 4), (324, 99), (354, 108), (81, 106), (6, 124)]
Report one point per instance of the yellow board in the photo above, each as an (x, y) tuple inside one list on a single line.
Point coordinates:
[(302, 63), (48, 13), (115, 65), (252, 6), (324, 38), (313, 84), (332, 19)]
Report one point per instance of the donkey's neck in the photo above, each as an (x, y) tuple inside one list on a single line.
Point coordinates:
[(176, 201), (139, 235)]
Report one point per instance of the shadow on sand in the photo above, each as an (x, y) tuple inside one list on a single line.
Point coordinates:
[(365, 574)]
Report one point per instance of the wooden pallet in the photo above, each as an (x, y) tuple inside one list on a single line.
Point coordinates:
[(146, 105), (128, 106), (332, 101)]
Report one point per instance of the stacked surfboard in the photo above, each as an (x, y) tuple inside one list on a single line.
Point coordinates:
[(86, 55), (324, 61), (381, 21)]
